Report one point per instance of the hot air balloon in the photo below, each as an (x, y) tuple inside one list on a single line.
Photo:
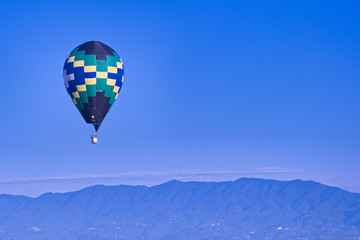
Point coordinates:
[(93, 76)]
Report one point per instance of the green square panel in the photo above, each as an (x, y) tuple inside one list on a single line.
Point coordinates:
[(101, 62), (100, 84), (101, 68), (108, 90), (112, 98), (91, 90), (113, 95), (84, 97), (90, 60), (111, 61), (116, 57), (80, 55)]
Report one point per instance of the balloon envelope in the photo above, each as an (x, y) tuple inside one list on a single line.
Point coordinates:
[(93, 76)]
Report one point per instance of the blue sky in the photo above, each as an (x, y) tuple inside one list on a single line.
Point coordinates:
[(213, 90)]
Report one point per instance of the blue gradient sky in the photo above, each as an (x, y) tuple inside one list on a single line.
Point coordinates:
[(213, 90)]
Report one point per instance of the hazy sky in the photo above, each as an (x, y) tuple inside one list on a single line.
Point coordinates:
[(213, 90)]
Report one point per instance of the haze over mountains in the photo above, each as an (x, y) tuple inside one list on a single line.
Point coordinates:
[(242, 209)]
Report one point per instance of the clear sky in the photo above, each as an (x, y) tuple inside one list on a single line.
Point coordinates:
[(213, 90)]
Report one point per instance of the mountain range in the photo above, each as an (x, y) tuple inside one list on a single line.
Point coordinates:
[(247, 208)]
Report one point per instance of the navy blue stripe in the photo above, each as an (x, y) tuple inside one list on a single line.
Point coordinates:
[(90, 75), (79, 75)]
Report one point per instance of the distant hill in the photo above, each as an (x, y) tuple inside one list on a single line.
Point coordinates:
[(244, 209)]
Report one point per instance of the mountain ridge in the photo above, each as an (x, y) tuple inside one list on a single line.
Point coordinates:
[(247, 207)]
